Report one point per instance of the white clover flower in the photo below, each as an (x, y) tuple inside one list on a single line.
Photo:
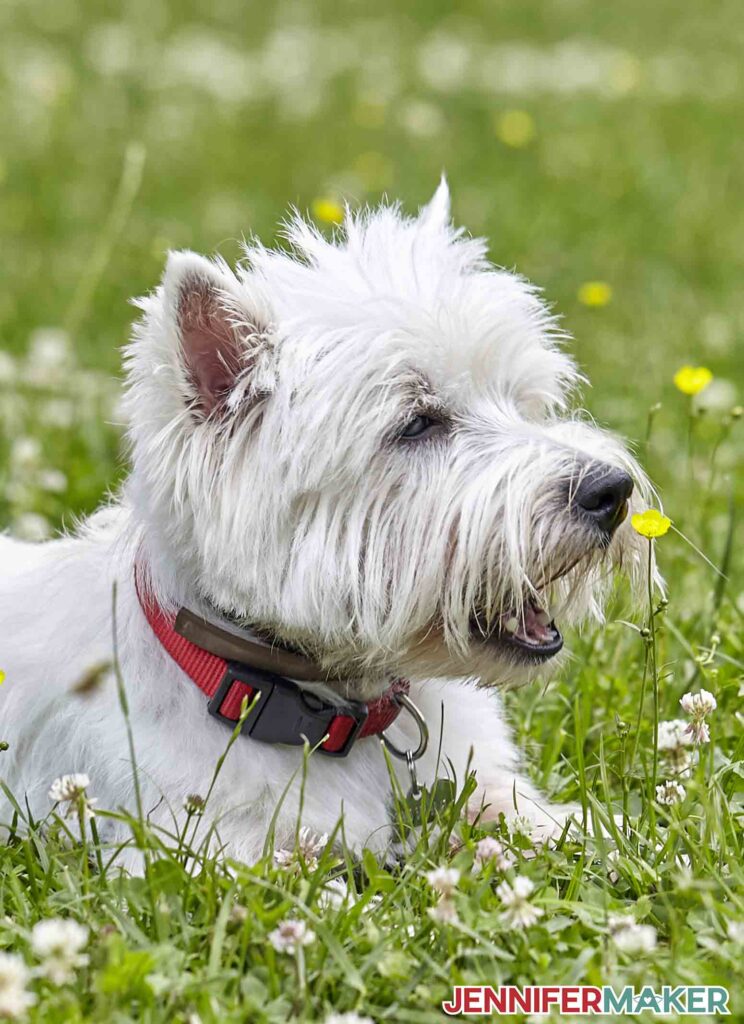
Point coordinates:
[(673, 734), (669, 793), (522, 826), (335, 894), (698, 706), (491, 851), (519, 913), (700, 732), (15, 999), (68, 790), (631, 937), (58, 943), (443, 880), (445, 911), (309, 846), (347, 1018), (735, 932), (69, 787), (290, 936)]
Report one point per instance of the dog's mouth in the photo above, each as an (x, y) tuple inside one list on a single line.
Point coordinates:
[(529, 634)]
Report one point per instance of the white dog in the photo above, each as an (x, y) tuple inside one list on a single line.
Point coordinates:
[(358, 461)]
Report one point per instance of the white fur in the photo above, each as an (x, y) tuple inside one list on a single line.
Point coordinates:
[(295, 508)]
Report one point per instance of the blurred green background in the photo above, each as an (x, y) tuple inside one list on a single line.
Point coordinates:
[(589, 142)]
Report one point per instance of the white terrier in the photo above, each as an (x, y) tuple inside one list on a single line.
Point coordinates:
[(357, 461)]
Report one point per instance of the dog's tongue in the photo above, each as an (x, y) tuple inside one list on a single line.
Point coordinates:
[(532, 628)]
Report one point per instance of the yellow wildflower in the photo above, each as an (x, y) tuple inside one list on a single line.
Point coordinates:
[(2, 677), (595, 294), (650, 523), (691, 380), (515, 128), (328, 210)]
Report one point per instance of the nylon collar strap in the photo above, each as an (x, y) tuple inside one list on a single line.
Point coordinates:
[(283, 712)]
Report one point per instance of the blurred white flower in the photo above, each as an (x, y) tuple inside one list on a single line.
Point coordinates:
[(291, 935), (49, 355), (15, 999), (669, 793), (335, 894), (25, 452), (58, 943), (19, 494), (52, 480), (443, 880), (445, 911), (735, 932), (68, 790), (347, 1018), (673, 740), (515, 896), (631, 937), (238, 915), (444, 61), (8, 368), (421, 119), (673, 734), (309, 847), (720, 395), (57, 412), (197, 58), (491, 851), (31, 526), (112, 48), (698, 706)]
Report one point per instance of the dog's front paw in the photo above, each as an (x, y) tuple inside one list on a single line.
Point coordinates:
[(547, 822), (530, 814)]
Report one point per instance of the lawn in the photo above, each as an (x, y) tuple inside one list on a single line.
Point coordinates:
[(598, 147)]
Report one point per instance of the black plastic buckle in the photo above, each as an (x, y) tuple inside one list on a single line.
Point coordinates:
[(284, 712)]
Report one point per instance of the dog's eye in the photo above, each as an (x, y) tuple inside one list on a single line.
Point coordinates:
[(418, 427)]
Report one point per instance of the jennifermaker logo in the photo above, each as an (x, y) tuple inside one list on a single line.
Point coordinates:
[(483, 1000)]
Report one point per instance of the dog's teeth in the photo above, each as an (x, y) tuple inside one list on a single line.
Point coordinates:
[(511, 624), (542, 618)]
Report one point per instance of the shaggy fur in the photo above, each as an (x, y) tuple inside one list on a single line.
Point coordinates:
[(273, 488)]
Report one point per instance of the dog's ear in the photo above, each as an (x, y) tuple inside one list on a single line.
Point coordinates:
[(218, 335), (437, 212)]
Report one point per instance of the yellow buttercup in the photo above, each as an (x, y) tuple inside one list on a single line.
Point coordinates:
[(691, 380), (650, 523)]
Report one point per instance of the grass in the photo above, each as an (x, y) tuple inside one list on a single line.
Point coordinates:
[(126, 132)]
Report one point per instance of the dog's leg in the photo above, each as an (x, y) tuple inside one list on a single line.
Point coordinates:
[(470, 727)]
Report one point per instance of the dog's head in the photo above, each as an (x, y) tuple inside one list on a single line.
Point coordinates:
[(365, 448)]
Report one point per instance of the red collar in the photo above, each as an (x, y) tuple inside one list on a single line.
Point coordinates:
[(284, 712)]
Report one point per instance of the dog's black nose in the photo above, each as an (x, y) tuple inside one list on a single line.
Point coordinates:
[(602, 496)]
